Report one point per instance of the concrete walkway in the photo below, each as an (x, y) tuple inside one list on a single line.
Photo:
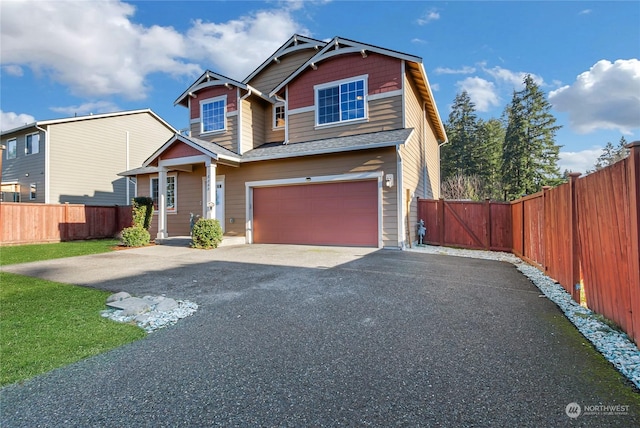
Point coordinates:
[(323, 336)]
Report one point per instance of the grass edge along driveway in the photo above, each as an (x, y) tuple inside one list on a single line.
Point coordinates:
[(45, 325)]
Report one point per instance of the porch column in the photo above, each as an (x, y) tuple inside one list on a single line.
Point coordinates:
[(162, 203), (210, 196)]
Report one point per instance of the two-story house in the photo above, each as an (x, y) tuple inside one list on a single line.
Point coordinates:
[(324, 143), (77, 159)]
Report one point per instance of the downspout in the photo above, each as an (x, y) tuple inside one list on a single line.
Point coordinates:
[(399, 183), (423, 148), (47, 161), (127, 182), (439, 168)]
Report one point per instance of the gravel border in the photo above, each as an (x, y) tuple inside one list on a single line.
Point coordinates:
[(614, 345)]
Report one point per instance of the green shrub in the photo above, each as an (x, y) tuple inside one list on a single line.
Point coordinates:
[(142, 212), (135, 237), (206, 234)]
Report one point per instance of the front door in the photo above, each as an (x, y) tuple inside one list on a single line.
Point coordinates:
[(219, 199)]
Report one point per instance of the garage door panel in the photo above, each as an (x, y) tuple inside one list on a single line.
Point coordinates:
[(344, 213)]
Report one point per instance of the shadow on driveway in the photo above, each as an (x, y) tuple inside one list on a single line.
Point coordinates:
[(314, 336)]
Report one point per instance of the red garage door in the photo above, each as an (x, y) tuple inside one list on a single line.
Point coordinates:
[(344, 213)]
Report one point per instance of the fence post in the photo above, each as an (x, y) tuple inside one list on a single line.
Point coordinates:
[(487, 218), (634, 230), (546, 230), (574, 241), (65, 228), (441, 220)]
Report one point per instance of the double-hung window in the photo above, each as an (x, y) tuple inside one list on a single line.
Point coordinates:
[(12, 149), (278, 116), (32, 144), (213, 113), (341, 101), (171, 193)]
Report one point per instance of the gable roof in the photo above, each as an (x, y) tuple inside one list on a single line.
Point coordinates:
[(209, 79), (213, 150), (295, 43), (87, 117), (339, 46)]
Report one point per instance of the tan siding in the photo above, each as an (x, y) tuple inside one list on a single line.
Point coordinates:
[(247, 124), (87, 155), (384, 115), (272, 135), (413, 159), (228, 139), (253, 125), (273, 74), (18, 168), (369, 161)]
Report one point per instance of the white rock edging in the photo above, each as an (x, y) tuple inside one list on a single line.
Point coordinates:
[(615, 346)]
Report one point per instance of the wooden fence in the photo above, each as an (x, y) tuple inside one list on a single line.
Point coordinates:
[(583, 234), (23, 223), (479, 225)]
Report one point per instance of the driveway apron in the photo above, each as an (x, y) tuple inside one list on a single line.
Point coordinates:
[(324, 336)]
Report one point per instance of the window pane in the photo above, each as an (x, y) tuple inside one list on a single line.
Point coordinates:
[(171, 193), (213, 116), (12, 149)]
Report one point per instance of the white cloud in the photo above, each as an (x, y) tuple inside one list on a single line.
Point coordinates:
[(585, 12), (482, 92), (238, 46), (86, 108), (10, 120), (514, 78), (581, 161), (464, 70), (13, 70), (605, 97), (95, 48), (428, 17)]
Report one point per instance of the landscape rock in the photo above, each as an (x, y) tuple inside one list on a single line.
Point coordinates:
[(149, 312), (118, 296)]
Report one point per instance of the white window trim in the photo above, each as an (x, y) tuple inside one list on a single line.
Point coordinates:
[(173, 210), (274, 123), (25, 144), (32, 186), (316, 88), (208, 101), (14, 141)]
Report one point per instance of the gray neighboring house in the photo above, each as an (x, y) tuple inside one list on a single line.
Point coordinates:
[(76, 160)]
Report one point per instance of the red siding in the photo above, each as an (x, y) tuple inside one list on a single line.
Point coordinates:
[(385, 74), (343, 213), (212, 92), (180, 150)]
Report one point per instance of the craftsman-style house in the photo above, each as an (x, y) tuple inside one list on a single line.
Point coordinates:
[(326, 143)]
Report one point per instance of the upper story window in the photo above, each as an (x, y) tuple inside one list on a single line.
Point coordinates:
[(32, 144), (341, 101), (278, 116), (12, 149), (213, 114)]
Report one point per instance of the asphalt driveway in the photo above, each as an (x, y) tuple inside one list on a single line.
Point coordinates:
[(323, 336)]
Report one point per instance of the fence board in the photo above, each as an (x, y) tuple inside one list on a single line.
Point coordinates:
[(23, 223)]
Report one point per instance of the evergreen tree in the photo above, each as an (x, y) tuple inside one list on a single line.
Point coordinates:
[(457, 157), (530, 155), (611, 154), (490, 163)]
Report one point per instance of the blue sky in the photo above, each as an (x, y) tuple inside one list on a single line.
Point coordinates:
[(96, 56)]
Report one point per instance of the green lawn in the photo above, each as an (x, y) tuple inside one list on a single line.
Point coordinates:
[(44, 324), (35, 252)]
